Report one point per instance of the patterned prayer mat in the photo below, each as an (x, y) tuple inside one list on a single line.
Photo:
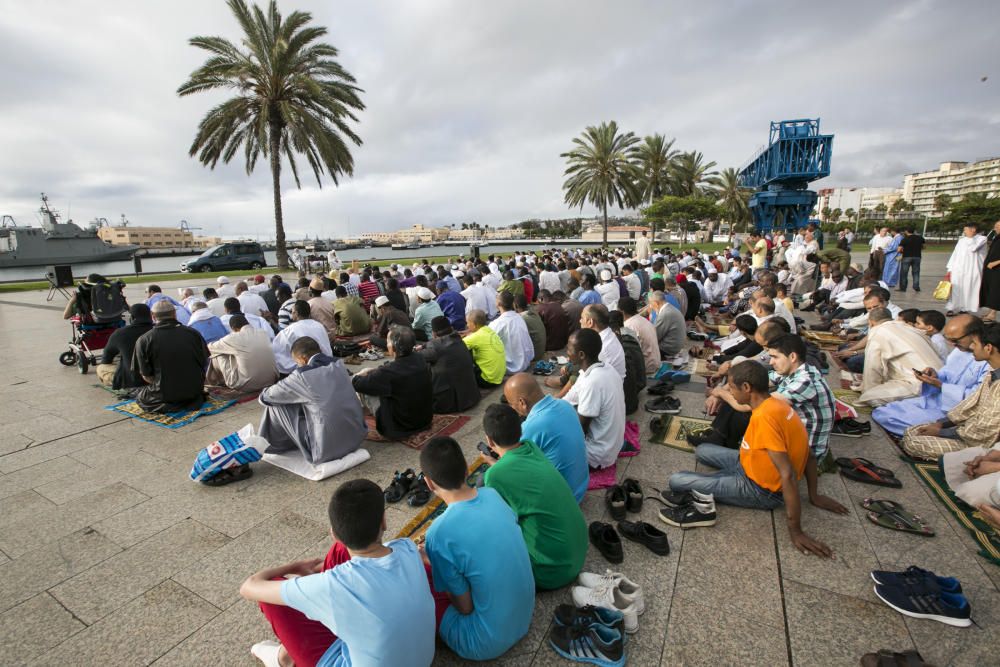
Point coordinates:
[(227, 394), (698, 367), (673, 431), (416, 528), (171, 419), (441, 425), (602, 478), (983, 533), (851, 398), (824, 339)]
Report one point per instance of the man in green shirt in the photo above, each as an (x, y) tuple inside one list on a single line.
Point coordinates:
[(550, 518), (536, 328), (487, 350), (511, 284), (350, 316)]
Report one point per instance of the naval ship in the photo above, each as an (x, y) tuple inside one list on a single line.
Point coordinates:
[(55, 242)]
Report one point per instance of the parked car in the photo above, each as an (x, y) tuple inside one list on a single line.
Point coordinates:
[(227, 256)]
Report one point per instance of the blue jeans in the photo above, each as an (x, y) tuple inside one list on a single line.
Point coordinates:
[(909, 263), (730, 485)]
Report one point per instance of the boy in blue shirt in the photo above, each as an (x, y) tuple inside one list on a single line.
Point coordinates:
[(370, 603), (478, 557)]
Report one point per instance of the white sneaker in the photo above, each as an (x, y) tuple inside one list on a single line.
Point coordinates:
[(608, 597), (628, 588), (267, 652)]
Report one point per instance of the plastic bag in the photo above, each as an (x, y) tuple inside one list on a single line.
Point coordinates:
[(234, 450), (943, 291)]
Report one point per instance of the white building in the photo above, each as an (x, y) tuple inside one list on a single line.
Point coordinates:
[(954, 179), (416, 233), (856, 198)]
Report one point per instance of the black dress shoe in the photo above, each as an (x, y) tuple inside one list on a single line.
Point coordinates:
[(661, 388), (643, 533), (633, 493), (615, 498), (604, 537)]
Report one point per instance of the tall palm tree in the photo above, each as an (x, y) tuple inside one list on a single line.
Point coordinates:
[(733, 198), (601, 170), (654, 156), (691, 175), (291, 97)]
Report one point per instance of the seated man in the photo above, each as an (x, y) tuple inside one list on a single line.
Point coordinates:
[(942, 390), (468, 546), (214, 302), (671, 332), (803, 386), (314, 410), (367, 603), (973, 474), (555, 320), (399, 394), (598, 318), (552, 424), (388, 315), (154, 295), (204, 321), (321, 308), (487, 350), (116, 370), (893, 350), (427, 309), (233, 307), (645, 333), (536, 328), (553, 526), (452, 305), (350, 316), (975, 421), (599, 398), (302, 325), (171, 358), (452, 369), (250, 301), (764, 472), (242, 360), (512, 330)]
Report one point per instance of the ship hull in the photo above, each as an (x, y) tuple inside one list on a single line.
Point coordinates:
[(66, 252)]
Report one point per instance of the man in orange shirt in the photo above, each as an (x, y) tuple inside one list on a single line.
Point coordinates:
[(763, 474)]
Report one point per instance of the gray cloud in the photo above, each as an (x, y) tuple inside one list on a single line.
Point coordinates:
[(470, 104)]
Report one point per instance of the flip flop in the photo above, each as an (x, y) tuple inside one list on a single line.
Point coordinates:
[(890, 514), (857, 462), (865, 475)]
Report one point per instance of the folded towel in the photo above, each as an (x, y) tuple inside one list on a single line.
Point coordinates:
[(294, 463)]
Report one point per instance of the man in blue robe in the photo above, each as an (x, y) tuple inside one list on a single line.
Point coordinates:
[(943, 390), (890, 272)]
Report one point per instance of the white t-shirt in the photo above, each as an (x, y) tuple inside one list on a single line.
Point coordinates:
[(612, 353), (598, 394), (282, 343), (609, 294), (252, 304)]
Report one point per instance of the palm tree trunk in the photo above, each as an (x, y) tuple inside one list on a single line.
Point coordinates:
[(605, 244), (280, 250)]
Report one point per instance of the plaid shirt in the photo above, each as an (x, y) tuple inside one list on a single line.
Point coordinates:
[(352, 289), (978, 416), (810, 395)]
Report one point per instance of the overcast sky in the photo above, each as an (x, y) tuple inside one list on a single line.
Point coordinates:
[(469, 104)]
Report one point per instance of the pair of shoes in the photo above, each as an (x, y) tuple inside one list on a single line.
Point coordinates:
[(843, 428), (864, 427), (611, 590), (370, 355), (688, 509), (922, 594), (661, 388), (400, 485), (705, 435), (589, 634), (420, 494), (622, 498), (647, 535), (664, 405)]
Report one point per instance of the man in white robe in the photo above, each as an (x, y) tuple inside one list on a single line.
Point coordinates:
[(642, 247), (892, 351), (966, 268), (242, 360), (942, 390)]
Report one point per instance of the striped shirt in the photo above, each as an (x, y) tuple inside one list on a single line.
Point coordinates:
[(810, 395)]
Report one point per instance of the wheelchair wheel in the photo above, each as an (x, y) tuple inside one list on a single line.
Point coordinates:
[(68, 358), (82, 363)]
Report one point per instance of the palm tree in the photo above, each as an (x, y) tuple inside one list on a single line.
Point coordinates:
[(291, 96), (601, 170), (849, 214), (654, 157), (690, 175), (733, 198), (942, 203)]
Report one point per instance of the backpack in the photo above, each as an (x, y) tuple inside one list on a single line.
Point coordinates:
[(105, 301)]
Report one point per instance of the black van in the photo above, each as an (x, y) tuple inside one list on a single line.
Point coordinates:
[(228, 256)]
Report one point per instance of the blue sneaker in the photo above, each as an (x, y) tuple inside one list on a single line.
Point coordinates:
[(913, 576), (568, 614), (922, 602), (595, 644)]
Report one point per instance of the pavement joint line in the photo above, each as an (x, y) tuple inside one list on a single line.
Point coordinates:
[(29, 305), (673, 589), (781, 589), (68, 435), (68, 611)]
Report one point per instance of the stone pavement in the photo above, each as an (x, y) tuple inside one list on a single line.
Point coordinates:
[(110, 555)]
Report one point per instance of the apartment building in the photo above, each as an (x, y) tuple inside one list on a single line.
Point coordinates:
[(954, 179)]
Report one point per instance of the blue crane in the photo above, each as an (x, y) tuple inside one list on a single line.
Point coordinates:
[(796, 154)]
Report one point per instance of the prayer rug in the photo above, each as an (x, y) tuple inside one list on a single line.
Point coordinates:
[(118, 393), (851, 398), (983, 533), (416, 528), (602, 478), (824, 339), (171, 419), (673, 430), (698, 367), (441, 425), (227, 394)]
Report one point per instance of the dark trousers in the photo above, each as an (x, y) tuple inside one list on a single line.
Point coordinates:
[(482, 382), (913, 264), (731, 425)]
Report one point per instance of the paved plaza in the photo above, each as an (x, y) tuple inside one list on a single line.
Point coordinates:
[(111, 555)]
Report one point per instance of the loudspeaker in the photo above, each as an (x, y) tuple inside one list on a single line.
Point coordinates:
[(474, 251), (63, 275)]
